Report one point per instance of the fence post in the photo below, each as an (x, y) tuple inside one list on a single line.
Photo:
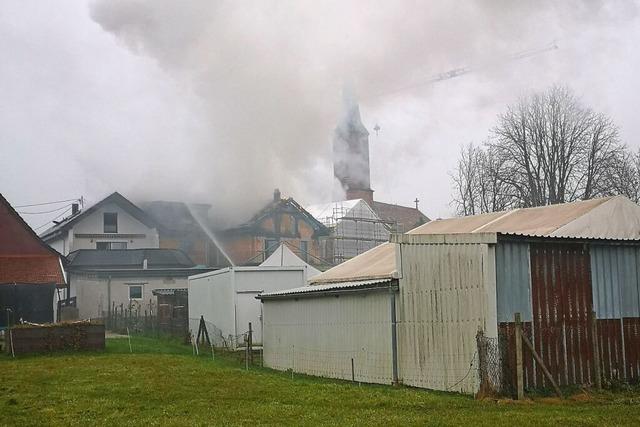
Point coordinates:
[(246, 352), (519, 364), (353, 372), (596, 350), (250, 345)]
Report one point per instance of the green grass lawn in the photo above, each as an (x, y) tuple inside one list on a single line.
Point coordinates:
[(161, 383)]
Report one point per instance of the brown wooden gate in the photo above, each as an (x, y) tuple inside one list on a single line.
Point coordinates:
[(562, 304)]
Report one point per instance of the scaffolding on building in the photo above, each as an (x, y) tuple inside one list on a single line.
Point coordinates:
[(355, 228)]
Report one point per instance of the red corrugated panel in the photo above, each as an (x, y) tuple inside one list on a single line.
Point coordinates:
[(562, 301)]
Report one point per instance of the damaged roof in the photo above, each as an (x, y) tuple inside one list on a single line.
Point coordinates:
[(281, 205)]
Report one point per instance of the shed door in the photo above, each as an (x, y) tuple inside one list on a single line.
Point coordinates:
[(562, 303)]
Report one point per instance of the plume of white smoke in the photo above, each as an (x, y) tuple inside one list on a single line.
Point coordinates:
[(269, 74)]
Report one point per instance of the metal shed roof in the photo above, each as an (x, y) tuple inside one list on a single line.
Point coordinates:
[(328, 288), (612, 218), (605, 218), (376, 263)]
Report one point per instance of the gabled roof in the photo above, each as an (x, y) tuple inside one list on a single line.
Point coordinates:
[(24, 257), (332, 213), (115, 198), (129, 259), (406, 217), (323, 211), (284, 257), (604, 218), (282, 205)]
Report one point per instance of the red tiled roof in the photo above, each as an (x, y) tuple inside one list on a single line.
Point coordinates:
[(407, 218), (31, 269)]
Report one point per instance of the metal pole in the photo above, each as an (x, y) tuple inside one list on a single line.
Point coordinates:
[(250, 345), (394, 339), (353, 372), (129, 336), (519, 365), (596, 350), (13, 353)]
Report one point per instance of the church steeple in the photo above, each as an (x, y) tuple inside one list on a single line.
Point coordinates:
[(351, 152)]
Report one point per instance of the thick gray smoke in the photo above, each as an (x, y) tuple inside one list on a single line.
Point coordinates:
[(267, 79)]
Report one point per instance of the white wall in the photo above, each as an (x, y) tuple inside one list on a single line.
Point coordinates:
[(447, 293), (94, 297), (211, 295), (226, 298), (319, 336), (94, 224)]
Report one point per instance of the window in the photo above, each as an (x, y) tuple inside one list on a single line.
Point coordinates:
[(304, 247), (110, 222), (135, 291), (270, 246), (105, 246)]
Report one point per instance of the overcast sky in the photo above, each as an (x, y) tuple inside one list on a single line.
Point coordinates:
[(220, 102)]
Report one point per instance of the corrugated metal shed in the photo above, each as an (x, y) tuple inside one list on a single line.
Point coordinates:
[(321, 336), (447, 294)]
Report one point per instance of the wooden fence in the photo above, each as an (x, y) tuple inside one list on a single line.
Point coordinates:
[(128, 319), (72, 336)]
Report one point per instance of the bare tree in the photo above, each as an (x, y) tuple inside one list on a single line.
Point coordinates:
[(477, 184), (623, 176), (545, 149)]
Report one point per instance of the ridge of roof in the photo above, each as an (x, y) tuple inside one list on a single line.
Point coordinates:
[(262, 213), (546, 219), (114, 197)]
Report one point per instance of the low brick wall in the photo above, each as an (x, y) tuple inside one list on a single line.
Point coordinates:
[(56, 337)]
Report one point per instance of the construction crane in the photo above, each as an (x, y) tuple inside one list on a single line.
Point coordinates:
[(457, 72)]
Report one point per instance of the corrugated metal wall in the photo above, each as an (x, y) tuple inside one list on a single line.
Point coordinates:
[(568, 281), (447, 293), (513, 281), (616, 291), (319, 336)]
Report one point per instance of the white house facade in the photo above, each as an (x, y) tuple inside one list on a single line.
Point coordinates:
[(113, 223)]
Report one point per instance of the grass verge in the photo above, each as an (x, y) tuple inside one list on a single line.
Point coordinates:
[(162, 383)]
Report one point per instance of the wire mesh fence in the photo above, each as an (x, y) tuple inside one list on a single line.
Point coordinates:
[(150, 321), (495, 372)]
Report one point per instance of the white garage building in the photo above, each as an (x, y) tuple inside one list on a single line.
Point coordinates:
[(227, 298)]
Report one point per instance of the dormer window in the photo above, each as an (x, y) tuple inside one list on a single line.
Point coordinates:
[(110, 222)]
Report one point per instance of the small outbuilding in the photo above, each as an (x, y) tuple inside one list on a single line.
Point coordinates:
[(32, 278), (227, 298), (435, 307)]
